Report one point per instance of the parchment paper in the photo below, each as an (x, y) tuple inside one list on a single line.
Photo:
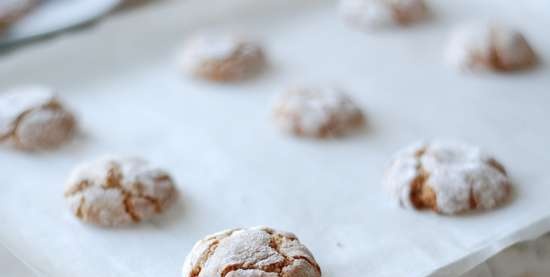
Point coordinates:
[(529, 258), (234, 168)]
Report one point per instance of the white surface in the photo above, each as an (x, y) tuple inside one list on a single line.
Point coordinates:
[(234, 168), (11, 266), (55, 15)]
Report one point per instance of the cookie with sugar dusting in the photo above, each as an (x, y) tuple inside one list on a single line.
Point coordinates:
[(447, 177), (114, 191), (252, 252), (33, 118), (491, 46), (13, 10), (367, 15), (222, 57), (317, 112)]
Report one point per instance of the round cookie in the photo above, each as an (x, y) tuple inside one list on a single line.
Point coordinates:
[(118, 191), (489, 46), (33, 118), (317, 112), (13, 10), (367, 15), (252, 252), (447, 177), (222, 57)]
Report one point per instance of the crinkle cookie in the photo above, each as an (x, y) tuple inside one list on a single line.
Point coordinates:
[(33, 118), (372, 14), (447, 177), (222, 57), (317, 112), (489, 46), (253, 252), (13, 10), (118, 191)]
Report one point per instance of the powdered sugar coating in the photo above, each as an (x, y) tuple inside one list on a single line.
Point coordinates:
[(252, 252), (484, 45), (33, 118), (461, 177), (371, 14), (115, 191), (316, 112), (222, 57)]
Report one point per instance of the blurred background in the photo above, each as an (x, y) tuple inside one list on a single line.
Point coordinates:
[(35, 21), (24, 21)]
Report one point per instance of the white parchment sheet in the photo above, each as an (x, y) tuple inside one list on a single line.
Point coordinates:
[(234, 168)]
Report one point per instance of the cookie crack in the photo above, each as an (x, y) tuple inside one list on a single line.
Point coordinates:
[(495, 59), (272, 268), (275, 244), (78, 211), (114, 181), (309, 261), (496, 165), (157, 204), (209, 252), (129, 207), (82, 186), (473, 200), (421, 194)]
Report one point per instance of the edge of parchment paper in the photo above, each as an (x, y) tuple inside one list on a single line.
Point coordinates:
[(470, 261)]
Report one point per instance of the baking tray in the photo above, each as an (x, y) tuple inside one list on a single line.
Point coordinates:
[(234, 168)]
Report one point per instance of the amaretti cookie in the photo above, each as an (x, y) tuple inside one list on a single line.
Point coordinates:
[(489, 46), (447, 177), (252, 252), (115, 191), (13, 10), (33, 118), (367, 15), (222, 57), (317, 112)]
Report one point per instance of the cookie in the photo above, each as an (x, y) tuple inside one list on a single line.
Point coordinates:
[(33, 118), (222, 57), (489, 46), (447, 177), (13, 10), (367, 15), (115, 191), (252, 252), (317, 112)]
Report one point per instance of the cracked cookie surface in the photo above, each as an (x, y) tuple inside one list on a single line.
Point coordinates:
[(114, 191), (489, 46), (223, 57), (447, 177), (317, 112), (252, 252), (367, 15), (33, 118)]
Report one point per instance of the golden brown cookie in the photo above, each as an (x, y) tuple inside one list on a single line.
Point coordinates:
[(222, 57), (489, 46), (118, 191), (33, 118), (367, 15), (447, 177), (252, 252), (317, 112)]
